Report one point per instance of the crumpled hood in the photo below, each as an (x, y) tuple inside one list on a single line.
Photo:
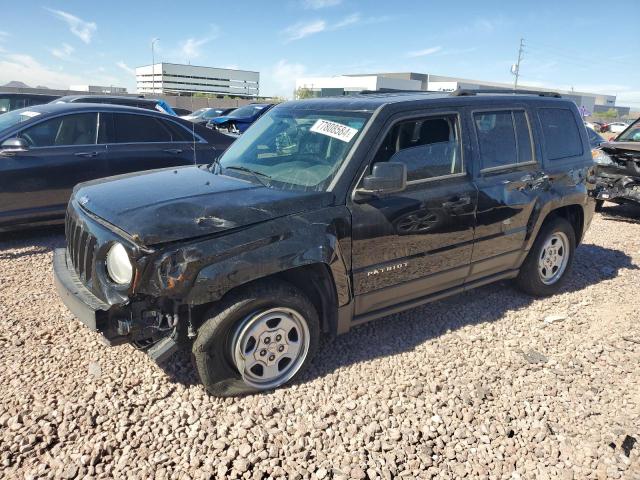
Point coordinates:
[(621, 146), (179, 203), (225, 119)]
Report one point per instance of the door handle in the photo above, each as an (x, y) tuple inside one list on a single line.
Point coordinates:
[(458, 202), (173, 151), (87, 154)]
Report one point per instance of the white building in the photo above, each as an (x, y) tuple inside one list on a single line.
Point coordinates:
[(350, 84), (177, 79), (111, 90)]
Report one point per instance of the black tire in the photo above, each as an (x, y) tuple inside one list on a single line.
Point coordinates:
[(213, 346), (529, 280), (599, 204)]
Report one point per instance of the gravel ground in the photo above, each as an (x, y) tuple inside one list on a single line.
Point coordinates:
[(489, 384)]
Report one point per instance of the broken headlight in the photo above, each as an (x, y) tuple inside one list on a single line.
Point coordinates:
[(601, 158), (119, 266)]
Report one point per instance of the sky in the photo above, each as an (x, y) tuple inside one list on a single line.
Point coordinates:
[(568, 44)]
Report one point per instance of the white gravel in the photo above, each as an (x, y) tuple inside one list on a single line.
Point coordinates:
[(489, 384)]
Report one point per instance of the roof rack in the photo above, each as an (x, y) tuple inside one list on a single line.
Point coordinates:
[(393, 90), (463, 92)]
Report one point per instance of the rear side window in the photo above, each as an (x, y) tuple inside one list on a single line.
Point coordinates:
[(504, 138), (139, 129), (561, 134), (178, 134)]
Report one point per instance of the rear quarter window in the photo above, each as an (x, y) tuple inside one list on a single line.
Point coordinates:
[(561, 134)]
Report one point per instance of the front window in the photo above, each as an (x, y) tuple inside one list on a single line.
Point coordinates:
[(295, 149), (631, 134)]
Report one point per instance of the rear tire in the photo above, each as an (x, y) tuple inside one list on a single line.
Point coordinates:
[(549, 261), (268, 331)]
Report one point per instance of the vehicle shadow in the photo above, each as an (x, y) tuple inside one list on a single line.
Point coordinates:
[(31, 242), (593, 264), (626, 213)]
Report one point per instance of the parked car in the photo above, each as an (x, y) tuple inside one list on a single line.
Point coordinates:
[(139, 102), (181, 112), (204, 115), (240, 119), (618, 168), (328, 213), (47, 149), (616, 127), (15, 101)]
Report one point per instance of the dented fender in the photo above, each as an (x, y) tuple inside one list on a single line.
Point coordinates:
[(203, 271)]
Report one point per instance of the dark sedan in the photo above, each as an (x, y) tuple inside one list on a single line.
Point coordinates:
[(46, 150), (240, 119), (204, 115)]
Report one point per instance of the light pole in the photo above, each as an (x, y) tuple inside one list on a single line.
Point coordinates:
[(153, 65)]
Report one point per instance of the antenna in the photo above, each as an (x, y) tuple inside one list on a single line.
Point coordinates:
[(193, 135), (515, 68)]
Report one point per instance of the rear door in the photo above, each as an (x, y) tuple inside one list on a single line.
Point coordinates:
[(35, 185), (419, 241), (136, 142), (510, 180)]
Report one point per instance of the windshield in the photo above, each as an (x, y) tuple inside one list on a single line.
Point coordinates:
[(631, 134), (10, 119), (246, 111), (295, 149), (214, 112), (198, 113)]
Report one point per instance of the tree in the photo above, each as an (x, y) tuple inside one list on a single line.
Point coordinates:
[(302, 93)]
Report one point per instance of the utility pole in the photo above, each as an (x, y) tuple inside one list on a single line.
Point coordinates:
[(515, 69), (153, 65)]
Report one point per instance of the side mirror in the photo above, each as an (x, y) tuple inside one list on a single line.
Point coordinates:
[(385, 177), (14, 145)]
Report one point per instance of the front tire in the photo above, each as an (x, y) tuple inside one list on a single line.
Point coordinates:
[(549, 261), (257, 338)]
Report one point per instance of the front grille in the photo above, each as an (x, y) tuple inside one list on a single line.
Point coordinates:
[(81, 247)]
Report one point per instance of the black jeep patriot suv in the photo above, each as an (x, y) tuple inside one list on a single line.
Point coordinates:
[(325, 214)]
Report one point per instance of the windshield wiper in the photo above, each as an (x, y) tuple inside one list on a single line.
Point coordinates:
[(255, 173)]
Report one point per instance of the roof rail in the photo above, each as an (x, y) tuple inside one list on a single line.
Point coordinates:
[(464, 92), (393, 90)]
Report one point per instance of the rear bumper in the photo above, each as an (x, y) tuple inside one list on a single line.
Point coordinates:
[(84, 305)]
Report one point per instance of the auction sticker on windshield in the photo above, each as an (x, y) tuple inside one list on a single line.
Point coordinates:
[(334, 130), (30, 114)]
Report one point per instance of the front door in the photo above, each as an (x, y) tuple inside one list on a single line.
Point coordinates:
[(419, 241), (35, 184)]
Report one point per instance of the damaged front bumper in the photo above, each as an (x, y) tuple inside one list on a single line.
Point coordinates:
[(617, 188), (116, 324)]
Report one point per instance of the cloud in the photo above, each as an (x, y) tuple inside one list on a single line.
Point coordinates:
[(280, 79), (192, 46), (64, 52), (28, 70), (304, 29), (80, 28), (349, 20), (318, 4), (301, 30), (126, 68), (424, 52)]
